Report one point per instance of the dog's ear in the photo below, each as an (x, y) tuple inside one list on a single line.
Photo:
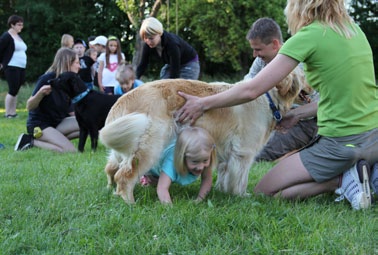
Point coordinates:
[(62, 79), (54, 83), (66, 76), (284, 86), (72, 84), (64, 83), (298, 81), (291, 85)]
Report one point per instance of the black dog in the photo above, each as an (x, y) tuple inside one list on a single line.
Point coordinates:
[(91, 107)]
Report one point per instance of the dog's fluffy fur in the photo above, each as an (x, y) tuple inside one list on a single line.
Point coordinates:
[(141, 124), (90, 111)]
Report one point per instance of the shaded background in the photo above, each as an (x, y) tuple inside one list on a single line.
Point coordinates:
[(216, 28)]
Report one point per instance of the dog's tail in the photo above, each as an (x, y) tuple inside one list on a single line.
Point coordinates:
[(123, 134)]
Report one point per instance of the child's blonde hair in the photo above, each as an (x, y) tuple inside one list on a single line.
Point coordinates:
[(190, 141), (89, 52), (150, 27), (125, 72), (328, 12)]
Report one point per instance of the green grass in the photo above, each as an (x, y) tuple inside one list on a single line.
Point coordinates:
[(54, 203)]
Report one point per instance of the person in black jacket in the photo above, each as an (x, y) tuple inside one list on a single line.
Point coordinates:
[(13, 62), (180, 58)]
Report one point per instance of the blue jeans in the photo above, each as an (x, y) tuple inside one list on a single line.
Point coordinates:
[(190, 71)]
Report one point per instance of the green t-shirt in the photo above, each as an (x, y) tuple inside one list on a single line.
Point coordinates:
[(342, 71)]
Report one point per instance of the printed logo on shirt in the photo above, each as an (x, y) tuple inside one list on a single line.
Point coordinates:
[(82, 64), (113, 67)]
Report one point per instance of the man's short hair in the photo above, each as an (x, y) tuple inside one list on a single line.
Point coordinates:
[(265, 29)]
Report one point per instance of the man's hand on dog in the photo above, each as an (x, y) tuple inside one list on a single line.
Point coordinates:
[(191, 110), (287, 122)]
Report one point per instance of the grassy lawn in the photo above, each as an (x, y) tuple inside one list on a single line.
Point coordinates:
[(54, 203)]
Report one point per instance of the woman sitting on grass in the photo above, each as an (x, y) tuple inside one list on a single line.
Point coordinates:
[(51, 123)]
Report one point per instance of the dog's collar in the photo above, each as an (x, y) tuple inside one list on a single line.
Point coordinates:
[(80, 96), (276, 113)]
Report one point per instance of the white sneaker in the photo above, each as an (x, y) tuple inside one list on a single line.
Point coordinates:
[(355, 185)]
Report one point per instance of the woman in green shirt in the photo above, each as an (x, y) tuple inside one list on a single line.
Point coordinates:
[(338, 63)]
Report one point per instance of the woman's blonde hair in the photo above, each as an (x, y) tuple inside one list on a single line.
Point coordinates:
[(328, 12), (190, 141), (125, 72), (66, 39), (63, 61), (150, 27)]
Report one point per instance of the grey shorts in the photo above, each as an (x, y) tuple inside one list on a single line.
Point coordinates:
[(327, 157)]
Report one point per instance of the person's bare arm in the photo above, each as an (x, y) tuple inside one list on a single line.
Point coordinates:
[(206, 183), (163, 185), (34, 101), (99, 75), (244, 92)]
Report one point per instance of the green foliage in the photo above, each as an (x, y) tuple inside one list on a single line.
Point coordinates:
[(217, 28), (47, 20), (366, 14), (128, 6)]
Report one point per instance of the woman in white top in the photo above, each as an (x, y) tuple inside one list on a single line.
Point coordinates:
[(13, 62)]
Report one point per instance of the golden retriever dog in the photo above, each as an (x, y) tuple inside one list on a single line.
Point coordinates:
[(141, 123)]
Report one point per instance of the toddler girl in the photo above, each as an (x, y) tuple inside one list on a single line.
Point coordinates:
[(190, 156)]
